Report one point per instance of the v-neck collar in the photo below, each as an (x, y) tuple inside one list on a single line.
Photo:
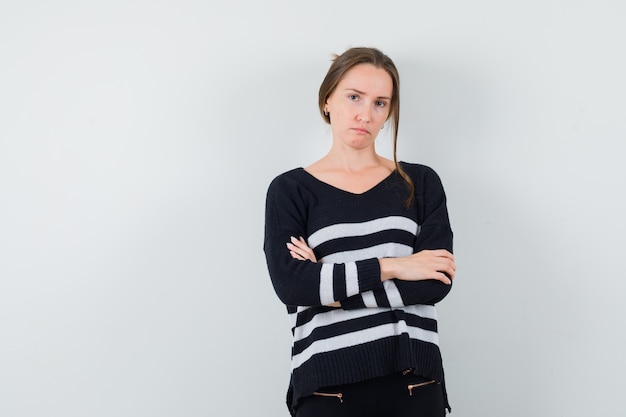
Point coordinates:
[(371, 189)]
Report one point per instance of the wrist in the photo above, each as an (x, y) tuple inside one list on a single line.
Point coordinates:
[(386, 269)]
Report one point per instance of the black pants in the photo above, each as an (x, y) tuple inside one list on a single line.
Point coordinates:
[(395, 395)]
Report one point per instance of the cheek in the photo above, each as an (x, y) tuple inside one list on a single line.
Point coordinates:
[(343, 111), (383, 115)]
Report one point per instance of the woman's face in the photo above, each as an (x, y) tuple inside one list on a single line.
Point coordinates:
[(360, 105)]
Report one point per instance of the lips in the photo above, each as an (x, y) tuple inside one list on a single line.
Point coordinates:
[(360, 130)]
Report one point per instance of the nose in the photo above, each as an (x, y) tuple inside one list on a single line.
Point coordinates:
[(364, 114)]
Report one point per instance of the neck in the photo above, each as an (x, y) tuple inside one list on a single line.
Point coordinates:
[(353, 160)]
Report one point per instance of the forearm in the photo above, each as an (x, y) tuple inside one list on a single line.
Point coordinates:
[(306, 283), (396, 293), (421, 278)]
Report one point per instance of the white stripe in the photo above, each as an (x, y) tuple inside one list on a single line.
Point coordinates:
[(418, 333), (369, 300), (362, 336), (385, 250), (352, 279), (339, 315), (361, 229), (326, 284), (393, 295), (293, 317), (330, 317), (422, 310)]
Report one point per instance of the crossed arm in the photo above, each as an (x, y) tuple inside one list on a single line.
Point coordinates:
[(424, 265), (424, 277)]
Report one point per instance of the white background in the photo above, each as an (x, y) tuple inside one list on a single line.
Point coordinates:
[(137, 140)]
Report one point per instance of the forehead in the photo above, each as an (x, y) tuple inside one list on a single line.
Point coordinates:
[(369, 79)]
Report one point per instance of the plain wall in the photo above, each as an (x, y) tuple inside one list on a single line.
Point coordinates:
[(138, 138)]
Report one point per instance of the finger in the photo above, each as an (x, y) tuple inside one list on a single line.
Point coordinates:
[(434, 253), (449, 269), (450, 272), (295, 255), (443, 278), (293, 249), (444, 253), (445, 265), (303, 248), (301, 244)]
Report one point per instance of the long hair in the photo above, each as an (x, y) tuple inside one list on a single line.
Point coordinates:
[(343, 63)]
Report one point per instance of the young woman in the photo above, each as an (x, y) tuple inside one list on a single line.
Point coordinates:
[(359, 249)]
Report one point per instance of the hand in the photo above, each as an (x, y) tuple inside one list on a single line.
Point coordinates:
[(300, 250), (426, 264)]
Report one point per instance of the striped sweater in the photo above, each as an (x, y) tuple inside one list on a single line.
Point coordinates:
[(381, 327)]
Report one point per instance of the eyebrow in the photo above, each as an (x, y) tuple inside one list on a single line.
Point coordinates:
[(361, 92)]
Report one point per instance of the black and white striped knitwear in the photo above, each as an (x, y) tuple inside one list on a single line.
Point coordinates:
[(381, 327)]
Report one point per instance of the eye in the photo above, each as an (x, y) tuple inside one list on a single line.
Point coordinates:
[(380, 103), (353, 97)]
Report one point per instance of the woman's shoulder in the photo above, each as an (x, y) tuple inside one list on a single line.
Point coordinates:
[(294, 186), (424, 177), (291, 174), (417, 170), (288, 179)]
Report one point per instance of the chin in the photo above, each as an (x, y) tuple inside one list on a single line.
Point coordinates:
[(361, 144)]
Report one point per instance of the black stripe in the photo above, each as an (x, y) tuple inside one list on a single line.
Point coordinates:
[(343, 244), (425, 323), (344, 327), (339, 281), (307, 315), (363, 323), (381, 298)]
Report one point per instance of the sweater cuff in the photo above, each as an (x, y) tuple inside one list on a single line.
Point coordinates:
[(352, 303), (369, 275)]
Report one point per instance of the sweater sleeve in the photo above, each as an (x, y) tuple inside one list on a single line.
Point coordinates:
[(306, 283), (435, 233)]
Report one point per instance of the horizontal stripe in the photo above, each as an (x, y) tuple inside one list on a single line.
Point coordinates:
[(340, 230), (331, 317), (293, 317), (360, 242), (355, 326), (339, 315), (385, 250), (364, 323), (417, 333), (363, 336), (421, 310), (307, 314)]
